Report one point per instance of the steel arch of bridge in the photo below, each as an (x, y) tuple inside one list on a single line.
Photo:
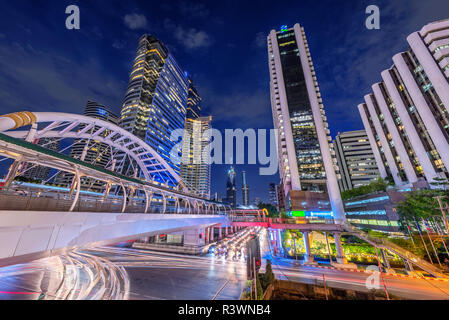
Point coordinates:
[(24, 151), (66, 125)]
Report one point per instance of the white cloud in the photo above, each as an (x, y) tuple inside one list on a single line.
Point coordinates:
[(135, 21), (261, 40), (192, 38)]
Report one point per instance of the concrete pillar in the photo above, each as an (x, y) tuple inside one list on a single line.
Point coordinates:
[(220, 233), (212, 234), (338, 246), (206, 235), (395, 135), (77, 178), (424, 111), (226, 231), (409, 127), (191, 237), (124, 197), (308, 257)]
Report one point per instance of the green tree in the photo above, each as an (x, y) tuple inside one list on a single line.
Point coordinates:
[(420, 204), (375, 186)]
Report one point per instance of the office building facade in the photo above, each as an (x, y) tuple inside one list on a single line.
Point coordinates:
[(273, 195), (231, 190), (355, 159), (40, 173), (155, 103), (406, 116), (92, 151), (307, 163), (245, 190), (195, 171)]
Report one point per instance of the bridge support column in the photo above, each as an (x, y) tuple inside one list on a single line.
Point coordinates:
[(164, 207), (148, 198), (77, 179), (106, 191), (12, 173), (338, 246), (212, 234), (308, 257), (206, 235), (124, 197)]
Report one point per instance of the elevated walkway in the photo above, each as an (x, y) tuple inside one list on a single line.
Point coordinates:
[(31, 235)]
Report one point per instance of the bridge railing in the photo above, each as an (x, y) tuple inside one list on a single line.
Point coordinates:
[(61, 202), (297, 220)]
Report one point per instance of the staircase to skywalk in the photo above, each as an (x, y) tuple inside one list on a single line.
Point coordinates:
[(403, 253)]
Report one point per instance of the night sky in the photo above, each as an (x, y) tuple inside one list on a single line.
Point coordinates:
[(222, 44)]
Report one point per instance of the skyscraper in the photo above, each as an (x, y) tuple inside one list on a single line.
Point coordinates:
[(193, 102), (406, 116), (355, 158), (272, 191), (307, 161), (91, 151), (39, 173), (195, 172), (155, 103), (231, 191), (245, 190)]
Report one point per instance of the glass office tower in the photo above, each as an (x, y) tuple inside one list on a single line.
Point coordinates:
[(155, 103), (307, 163)]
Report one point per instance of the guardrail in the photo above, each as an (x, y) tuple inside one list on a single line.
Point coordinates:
[(298, 220), (403, 253)]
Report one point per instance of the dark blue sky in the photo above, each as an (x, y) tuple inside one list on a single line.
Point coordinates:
[(45, 67)]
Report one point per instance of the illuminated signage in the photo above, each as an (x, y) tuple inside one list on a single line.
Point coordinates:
[(102, 112), (284, 28)]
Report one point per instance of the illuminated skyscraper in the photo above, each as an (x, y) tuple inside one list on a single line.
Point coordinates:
[(307, 163), (36, 172), (91, 151), (406, 115), (194, 171), (272, 191), (245, 190), (231, 190), (193, 102), (155, 103)]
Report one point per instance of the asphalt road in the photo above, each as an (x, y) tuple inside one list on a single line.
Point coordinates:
[(406, 288)]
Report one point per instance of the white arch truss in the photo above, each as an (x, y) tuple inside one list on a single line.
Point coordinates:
[(75, 126)]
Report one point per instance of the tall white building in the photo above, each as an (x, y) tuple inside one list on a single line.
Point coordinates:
[(406, 116), (307, 163), (355, 158), (195, 172)]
